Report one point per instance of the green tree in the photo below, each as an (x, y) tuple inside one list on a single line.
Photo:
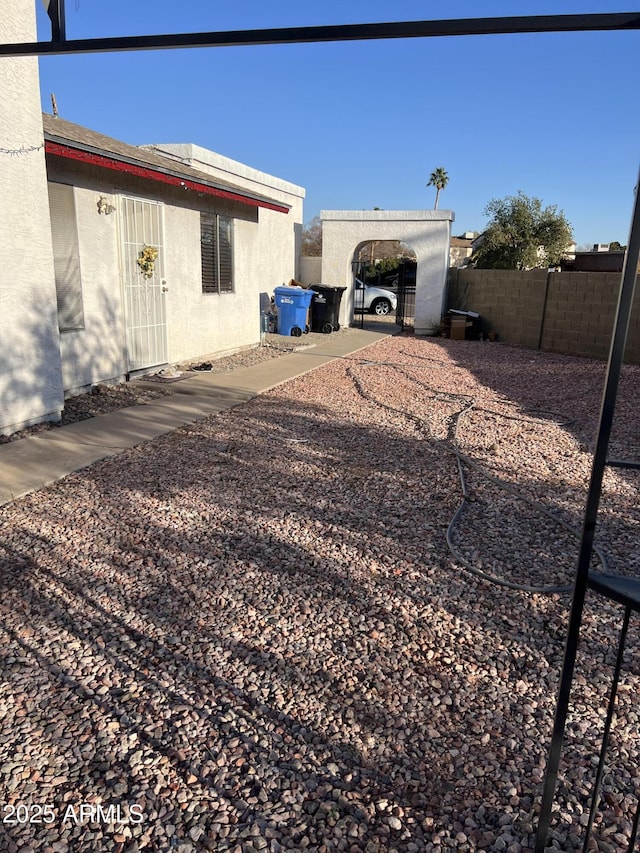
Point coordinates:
[(438, 179), (312, 238), (393, 250), (521, 235)]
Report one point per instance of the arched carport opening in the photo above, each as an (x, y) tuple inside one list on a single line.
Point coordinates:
[(428, 232), (381, 271), (379, 260)]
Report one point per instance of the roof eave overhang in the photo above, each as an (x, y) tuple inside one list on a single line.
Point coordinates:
[(86, 154)]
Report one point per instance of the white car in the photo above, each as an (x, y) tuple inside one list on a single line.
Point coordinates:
[(375, 299)]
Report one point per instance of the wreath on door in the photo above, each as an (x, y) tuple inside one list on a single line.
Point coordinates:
[(146, 260)]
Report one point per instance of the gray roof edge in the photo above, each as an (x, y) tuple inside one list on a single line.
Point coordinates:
[(84, 139)]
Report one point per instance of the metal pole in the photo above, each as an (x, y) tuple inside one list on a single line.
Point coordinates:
[(634, 830), (55, 11), (338, 32), (616, 354), (562, 708), (595, 798)]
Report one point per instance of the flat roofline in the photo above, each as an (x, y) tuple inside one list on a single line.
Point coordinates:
[(387, 215), (203, 159)]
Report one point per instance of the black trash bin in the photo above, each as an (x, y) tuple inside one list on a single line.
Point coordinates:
[(325, 308)]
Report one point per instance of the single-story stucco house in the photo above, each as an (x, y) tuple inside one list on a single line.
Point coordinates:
[(117, 260), (217, 233)]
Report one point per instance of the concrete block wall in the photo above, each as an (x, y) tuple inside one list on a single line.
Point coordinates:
[(510, 302), (568, 312), (580, 312)]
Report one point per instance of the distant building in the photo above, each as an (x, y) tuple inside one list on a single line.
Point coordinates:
[(600, 260), (461, 249)]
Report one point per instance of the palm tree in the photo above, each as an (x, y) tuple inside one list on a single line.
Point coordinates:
[(438, 179)]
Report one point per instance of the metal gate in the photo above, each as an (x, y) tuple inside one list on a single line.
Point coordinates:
[(144, 284), (406, 309), (359, 270)]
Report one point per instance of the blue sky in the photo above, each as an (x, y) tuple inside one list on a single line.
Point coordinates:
[(361, 125)]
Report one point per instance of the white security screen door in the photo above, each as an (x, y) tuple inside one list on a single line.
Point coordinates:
[(144, 290)]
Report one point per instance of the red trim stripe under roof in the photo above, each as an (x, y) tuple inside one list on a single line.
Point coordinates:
[(150, 173)]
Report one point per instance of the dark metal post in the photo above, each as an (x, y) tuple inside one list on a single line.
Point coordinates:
[(634, 830), (55, 10), (616, 354), (562, 708), (607, 21), (544, 309), (607, 728)]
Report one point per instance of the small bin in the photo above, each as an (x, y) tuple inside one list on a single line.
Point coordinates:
[(458, 328), (325, 308), (465, 325), (293, 310)]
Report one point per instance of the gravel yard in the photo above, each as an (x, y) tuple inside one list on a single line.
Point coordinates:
[(250, 634), (104, 398)]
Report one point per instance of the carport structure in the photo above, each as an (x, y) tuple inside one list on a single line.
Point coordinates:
[(428, 232)]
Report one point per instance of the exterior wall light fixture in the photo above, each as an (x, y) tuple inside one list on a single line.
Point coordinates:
[(105, 206)]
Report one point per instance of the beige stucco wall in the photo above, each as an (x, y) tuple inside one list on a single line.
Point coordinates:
[(30, 377), (96, 353), (310, 270), (198, 323), (278, 239), (428, 232)]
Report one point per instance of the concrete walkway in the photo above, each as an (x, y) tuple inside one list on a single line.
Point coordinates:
[(30, 463)]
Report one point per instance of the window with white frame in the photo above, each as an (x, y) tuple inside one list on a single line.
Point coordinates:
[(66, 257), (216, 247)]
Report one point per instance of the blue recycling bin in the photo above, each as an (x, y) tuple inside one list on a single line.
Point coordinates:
[(293, 310)]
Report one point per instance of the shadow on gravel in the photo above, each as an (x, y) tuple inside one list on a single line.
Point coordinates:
[(565, 387), (252, 628)]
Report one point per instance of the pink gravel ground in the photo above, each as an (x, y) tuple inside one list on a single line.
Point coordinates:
[(253, 628)]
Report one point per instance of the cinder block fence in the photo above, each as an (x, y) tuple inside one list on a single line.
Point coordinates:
[(563, 312)]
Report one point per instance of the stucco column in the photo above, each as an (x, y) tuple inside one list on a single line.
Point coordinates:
[(30, 375), (428, 232)]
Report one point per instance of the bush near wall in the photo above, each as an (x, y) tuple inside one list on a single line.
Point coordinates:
[(564, 312)]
